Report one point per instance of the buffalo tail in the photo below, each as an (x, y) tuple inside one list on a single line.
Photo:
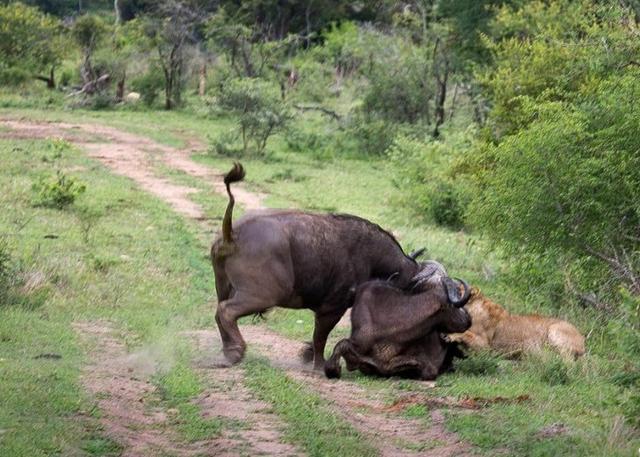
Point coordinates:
[(235, 174)]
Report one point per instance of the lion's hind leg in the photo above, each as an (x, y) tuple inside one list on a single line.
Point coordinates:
[(566, 339)]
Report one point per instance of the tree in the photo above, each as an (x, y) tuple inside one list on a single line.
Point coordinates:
[(557, 171), (259, 110), (171, 28), (88, 31), (30, 42)]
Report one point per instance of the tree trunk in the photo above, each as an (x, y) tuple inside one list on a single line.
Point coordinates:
[(120, 88), (202, 83), (50, 80), (168, 90), (116, 7), (441, 96)]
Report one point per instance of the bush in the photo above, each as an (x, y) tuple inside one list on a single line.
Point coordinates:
[(425, 172), (5, 263), (300, 141), (59, 192), (259, 109), (374, 136), (13, 76), (225, 144), (13, 288), (149, 86), (570, 182), (400, 90)]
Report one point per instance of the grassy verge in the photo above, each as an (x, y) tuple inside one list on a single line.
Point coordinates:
[(311, 423), (115, 254)]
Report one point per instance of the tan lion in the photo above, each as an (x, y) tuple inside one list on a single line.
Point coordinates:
[(493, 327)]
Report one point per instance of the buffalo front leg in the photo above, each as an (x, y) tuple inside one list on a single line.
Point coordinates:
[(227, 315), (323, 326)]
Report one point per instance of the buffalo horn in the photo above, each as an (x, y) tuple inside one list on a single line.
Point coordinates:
[(417, 253), (453, 290)]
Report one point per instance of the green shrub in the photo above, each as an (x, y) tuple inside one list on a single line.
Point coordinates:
[(59, 192), (13, 76), (226, 144), (400, 90), (299, 140), (149, 86), (425, 172), (259, 109), (12, 283), (567, 188), (5, 263), (373, 136)]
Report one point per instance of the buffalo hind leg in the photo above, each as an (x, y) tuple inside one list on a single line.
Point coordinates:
[(323, 325), (344, 348), (227, 315)]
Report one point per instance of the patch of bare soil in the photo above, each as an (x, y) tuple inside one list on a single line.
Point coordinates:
[(130, 416), (228, 397), (131, 155), (125, 397), (392, 434)]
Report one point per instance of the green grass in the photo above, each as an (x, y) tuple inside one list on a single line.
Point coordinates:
[(310, 421), (178, 387)]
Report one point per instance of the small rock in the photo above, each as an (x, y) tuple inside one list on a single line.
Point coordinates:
[(132, 97)]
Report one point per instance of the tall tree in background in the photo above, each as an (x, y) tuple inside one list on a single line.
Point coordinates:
[(88, 31), (171, 29)]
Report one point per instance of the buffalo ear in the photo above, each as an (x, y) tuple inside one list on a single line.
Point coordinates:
[(417, 253), (458, 291)]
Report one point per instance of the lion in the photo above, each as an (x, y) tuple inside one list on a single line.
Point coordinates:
[(493, 327)]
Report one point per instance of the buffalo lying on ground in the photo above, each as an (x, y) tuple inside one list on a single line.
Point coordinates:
[(297, 259), (396, 332)]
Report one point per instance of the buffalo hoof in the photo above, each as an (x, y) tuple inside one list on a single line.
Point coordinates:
[(306, 353), (332, 372), (233, 355)]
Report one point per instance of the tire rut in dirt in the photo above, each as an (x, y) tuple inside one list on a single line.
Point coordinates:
[(391, 434), (228, 397), (125, 397)]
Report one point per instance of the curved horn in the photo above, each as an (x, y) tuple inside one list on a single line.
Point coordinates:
[(417, 253), (453, 290)]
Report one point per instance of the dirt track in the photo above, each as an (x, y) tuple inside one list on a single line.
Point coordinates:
[(123, 390)]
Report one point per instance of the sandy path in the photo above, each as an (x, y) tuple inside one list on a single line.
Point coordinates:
[(131, 155), (121, 390)]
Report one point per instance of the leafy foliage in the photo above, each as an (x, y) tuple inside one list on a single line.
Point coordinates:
[(59, 192), (30, 42), (259, 110), (425, 175)]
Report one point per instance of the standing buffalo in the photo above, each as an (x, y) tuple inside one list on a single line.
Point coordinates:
[(396, 332), (297, 259)]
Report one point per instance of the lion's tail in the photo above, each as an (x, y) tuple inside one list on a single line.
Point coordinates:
[(235, 174)]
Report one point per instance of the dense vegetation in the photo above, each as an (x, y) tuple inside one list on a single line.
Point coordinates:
[(511, 121)]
